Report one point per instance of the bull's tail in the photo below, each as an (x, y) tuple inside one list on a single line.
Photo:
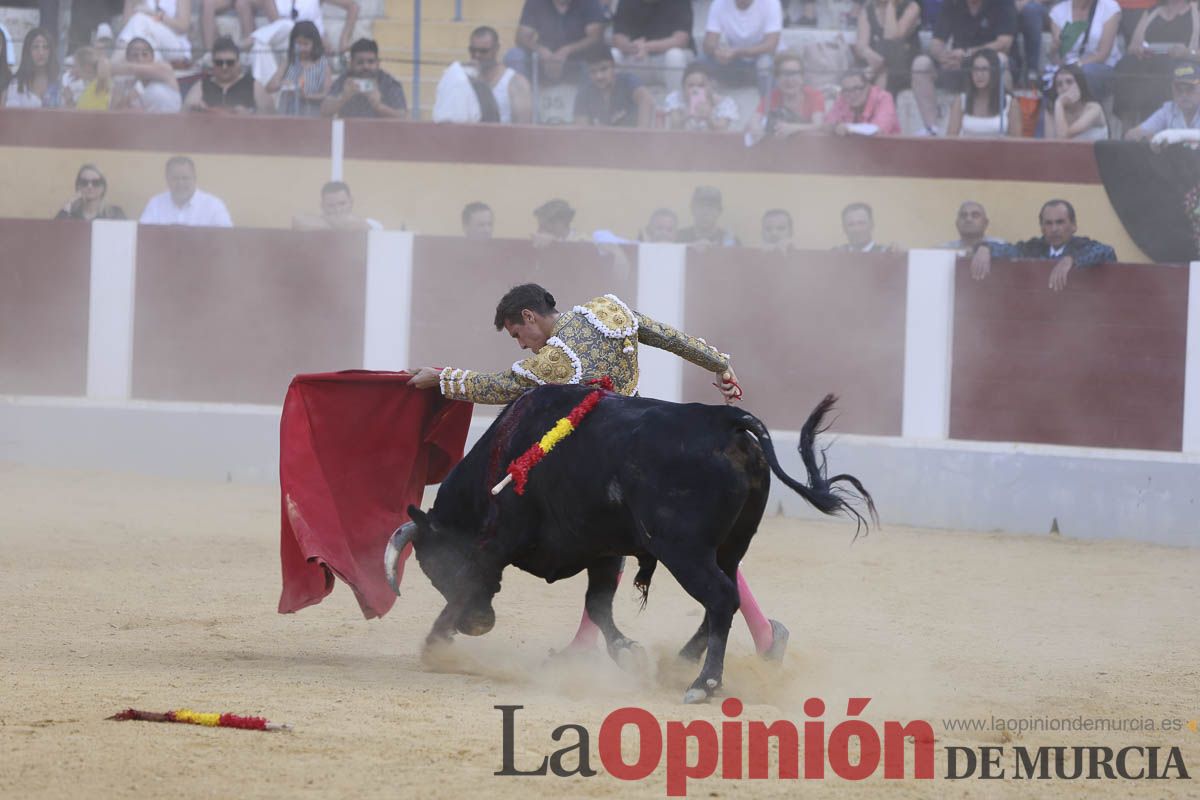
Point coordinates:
[(823, 493)]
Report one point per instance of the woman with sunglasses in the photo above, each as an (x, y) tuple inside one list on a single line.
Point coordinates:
[(88, 201), (306, 76), (791, 107), (36, 83)]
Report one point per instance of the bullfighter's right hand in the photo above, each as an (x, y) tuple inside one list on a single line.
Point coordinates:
[(425, 378)]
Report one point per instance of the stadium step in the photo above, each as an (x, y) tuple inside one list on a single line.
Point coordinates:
[(479, 12), (394, 36)]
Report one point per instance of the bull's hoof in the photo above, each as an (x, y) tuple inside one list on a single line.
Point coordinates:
[(779, 642), (631, 657), (693, 696)]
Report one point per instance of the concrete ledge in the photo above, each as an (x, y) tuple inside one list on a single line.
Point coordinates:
[(1146, 496)]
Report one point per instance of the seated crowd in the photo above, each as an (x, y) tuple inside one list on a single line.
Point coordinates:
[(1112, 67), (184, 203)]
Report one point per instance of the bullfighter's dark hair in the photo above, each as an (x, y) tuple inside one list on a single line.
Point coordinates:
[(1056, 202), (519, 298)]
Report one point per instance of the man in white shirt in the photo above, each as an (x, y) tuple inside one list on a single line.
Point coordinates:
[(337, 213), (740, 41), (183, 203), (1181, 112)]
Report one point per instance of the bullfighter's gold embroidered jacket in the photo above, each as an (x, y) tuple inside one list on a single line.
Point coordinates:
[(598, 338)]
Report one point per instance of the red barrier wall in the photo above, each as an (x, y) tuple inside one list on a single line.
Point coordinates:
[(45, 276), (800, 326), (457, 283), (232, 315), (1100, 364)]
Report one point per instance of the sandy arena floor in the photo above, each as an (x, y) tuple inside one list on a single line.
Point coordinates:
[(126, 591)]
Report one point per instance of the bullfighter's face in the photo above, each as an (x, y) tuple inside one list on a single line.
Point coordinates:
[(532, 331)]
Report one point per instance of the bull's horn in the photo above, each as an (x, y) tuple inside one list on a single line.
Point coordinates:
[(401, 537)]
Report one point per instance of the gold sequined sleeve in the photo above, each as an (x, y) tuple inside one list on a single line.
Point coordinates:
[(489, 388), (664, 337)]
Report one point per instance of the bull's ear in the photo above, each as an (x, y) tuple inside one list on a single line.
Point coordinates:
[(418, 516)]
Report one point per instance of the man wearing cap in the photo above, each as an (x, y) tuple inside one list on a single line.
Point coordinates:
[(599, 338), (1181, 112), (706, 210)]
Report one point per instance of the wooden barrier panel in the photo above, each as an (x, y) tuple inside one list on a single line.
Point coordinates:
[(231, 315), (457, 283), (1100, 364), (800, 326), (45, 276)]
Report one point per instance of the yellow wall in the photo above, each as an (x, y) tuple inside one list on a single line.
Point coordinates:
[(428, 197)]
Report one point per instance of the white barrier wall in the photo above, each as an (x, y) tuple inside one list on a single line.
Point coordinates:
[(919, 479)]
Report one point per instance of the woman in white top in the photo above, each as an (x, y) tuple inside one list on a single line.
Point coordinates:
[(1076, 114), (985, 109), (697, 107), (1085, 33), (162, 23), (36, 82), (144, 83), (271, 38)]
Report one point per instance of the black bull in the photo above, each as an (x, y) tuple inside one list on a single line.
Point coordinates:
[(679, 484)]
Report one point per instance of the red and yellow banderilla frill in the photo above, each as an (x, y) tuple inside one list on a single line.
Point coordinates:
[(209, 720), (518, 470)]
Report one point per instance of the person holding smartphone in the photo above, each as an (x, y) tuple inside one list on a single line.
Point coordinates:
[(365, 90)]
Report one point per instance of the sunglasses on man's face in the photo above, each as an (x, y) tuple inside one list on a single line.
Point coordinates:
[(82, 182), (224, 62)]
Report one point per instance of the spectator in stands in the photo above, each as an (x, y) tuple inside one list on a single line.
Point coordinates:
[(777, 230), (972, 225), (478, 220), (888, 41), (654, 38), (986, 108), (560, 33), (337, 213), (36, 83), (554, 219), (164, 24), (611, 98), (365, 90), (228, 88), (183, 203), (143, 84), (246, 9), (89, 85), (740, 39), (706, 210), (862, 108), (1164, 36), (303, 80), (88, 201), (698, 107), (858, 223), (6, 74), (1075, 113), (1058, 243), (1182, 111), (1031, 22), (1084, 32), (514, 98), (963, 27), (663, 226), (791, 107), (265, 41)]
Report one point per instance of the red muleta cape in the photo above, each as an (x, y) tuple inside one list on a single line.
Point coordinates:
[(355, 449)]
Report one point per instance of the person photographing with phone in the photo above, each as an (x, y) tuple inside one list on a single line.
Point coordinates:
[(365, 90)]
